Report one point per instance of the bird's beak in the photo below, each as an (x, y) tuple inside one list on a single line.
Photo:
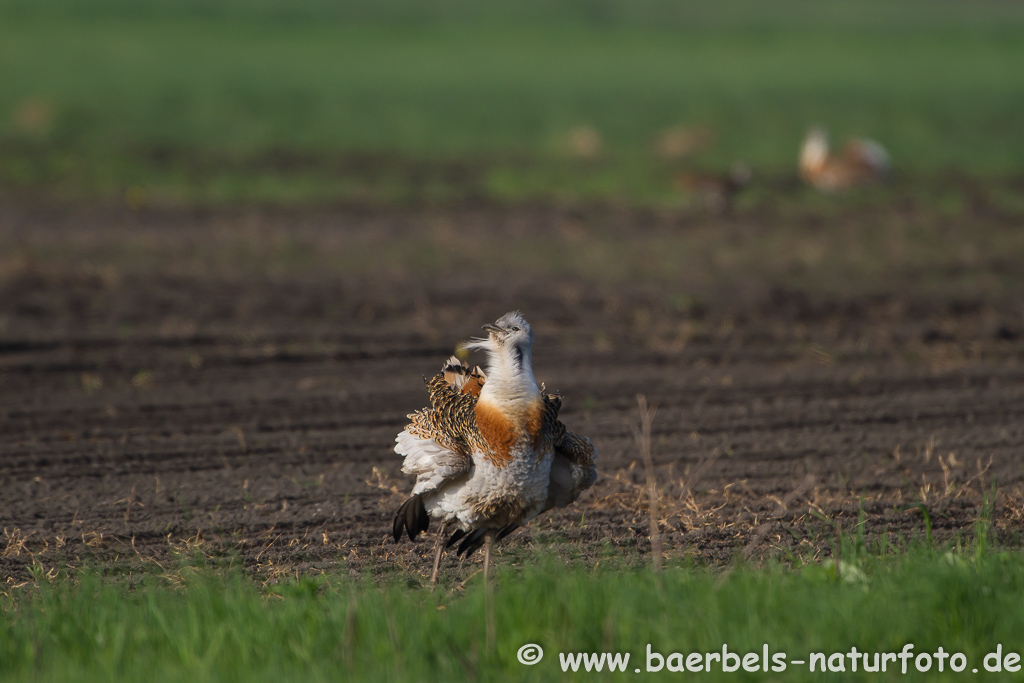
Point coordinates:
[(491, 328)]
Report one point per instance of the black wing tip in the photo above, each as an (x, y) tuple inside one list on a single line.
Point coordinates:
[(475, 539), (411, 517), (455, 364), (454, 538)]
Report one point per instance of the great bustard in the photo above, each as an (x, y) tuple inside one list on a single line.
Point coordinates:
[(716, 191), (490, 453), (860, 162)]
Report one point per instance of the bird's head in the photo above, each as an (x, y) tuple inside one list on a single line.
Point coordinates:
[(509, 334)]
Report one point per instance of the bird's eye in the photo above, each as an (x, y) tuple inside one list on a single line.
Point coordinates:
[(515, 329)]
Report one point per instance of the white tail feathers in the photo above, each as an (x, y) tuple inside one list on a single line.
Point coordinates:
[(430, 462)]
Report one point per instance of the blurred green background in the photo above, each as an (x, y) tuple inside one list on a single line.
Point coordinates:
[(309, 101)]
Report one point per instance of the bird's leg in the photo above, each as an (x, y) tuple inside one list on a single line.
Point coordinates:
[(488, 542), (489, 590), (442, 531)]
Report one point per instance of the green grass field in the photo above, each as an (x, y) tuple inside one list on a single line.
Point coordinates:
[(230, 101), (199, 624)]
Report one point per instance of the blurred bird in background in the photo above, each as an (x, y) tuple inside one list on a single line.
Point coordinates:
[(716, 191), (861, 162)]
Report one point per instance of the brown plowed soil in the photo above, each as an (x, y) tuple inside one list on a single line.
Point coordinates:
[(153, 408)]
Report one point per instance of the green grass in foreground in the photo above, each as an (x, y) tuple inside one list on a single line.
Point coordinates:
[(207, 625), (95, 95)]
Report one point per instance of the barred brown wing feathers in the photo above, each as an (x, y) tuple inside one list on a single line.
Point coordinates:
[(576, 448), (475, 384), (572, 469), (454, 412), (423, 425)]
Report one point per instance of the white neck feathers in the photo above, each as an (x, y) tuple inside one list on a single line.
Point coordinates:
[(814, 152), (510, 381)]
